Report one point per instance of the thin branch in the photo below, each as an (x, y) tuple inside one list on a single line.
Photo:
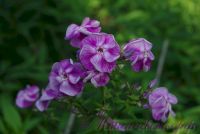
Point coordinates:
[(162, 60), (71, 120)]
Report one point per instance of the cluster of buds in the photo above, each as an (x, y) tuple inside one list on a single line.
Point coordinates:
[(97, 55)]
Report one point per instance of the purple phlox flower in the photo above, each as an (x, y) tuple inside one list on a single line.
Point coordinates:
[(77, 33), (160, 101), (67, 77), (98, 79), (26, 97), (47, 96), (139, 53), (99, 52)]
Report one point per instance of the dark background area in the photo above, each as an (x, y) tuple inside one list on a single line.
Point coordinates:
[(32, 39)]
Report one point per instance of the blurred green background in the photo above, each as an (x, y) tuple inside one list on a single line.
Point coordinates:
[(32, 39)]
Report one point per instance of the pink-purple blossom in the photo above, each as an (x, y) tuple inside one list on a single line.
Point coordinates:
[(160, 102), (138, 51), (66, 77), (26, 97), (98, 79), (97, 55), (47, 96), (76, 33), (99, 52)]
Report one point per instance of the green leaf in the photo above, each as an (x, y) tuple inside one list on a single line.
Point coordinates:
[(2, 128), (10, 114), (30, 124), (43, 130)]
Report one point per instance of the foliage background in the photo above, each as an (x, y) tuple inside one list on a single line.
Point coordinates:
[(32, 39)]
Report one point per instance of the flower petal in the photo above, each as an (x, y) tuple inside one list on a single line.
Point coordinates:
[(21, 102), (102, 65), (70, 89), (161, 91), (158, 113), (48, 94), (100, 79), (88, 76), (151, 55), (26, 97), (42, 105), (77, 42), (86, 54), (74, 78), (172, 98), (54, 82), (109, 41), (141, 44), (93, 40), (137, 66), (146, 64), (112, 54), (158, 97), (71, 31)]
